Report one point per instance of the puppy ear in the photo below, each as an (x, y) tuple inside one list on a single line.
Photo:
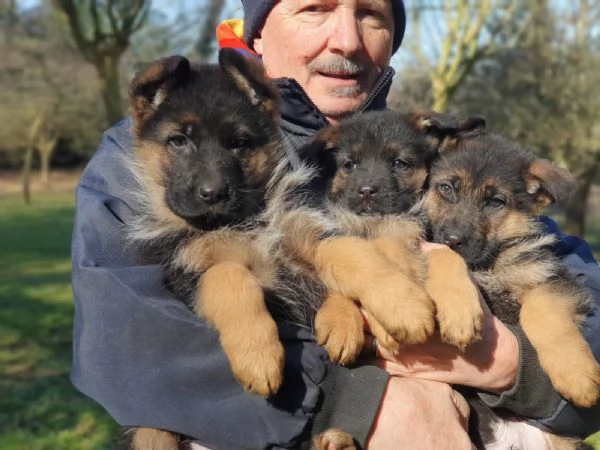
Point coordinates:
[(249, 77), (321, 147), (151, 86), (444, 130), (320, 152), (549, 183)]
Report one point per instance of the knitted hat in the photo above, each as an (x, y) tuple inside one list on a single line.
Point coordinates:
[(256, 11)]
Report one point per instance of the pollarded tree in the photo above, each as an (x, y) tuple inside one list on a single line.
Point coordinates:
[(102, 30), (449, 37)]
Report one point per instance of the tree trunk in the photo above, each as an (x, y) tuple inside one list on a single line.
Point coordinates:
[(576, 209), (26, 174), (34, 133), (46, 148), (439, 92), (108, 71)]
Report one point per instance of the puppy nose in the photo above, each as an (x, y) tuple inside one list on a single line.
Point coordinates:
[(455, 240), (368, 191), (213, 193)]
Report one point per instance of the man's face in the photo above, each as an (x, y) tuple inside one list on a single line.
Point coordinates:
[(336, 49)]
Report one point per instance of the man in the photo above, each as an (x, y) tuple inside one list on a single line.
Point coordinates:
[(150, 362)]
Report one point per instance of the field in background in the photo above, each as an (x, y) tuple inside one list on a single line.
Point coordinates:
[(39, 409)]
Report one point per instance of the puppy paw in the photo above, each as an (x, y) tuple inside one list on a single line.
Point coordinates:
[(578, 384), (340, 332), (258, 366), (333, 439), (384, 339), (460, 325), (403, 309)]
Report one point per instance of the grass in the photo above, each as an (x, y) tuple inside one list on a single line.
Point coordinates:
[(39, 409)]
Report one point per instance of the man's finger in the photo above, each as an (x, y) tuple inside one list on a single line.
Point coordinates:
[(462, 407)]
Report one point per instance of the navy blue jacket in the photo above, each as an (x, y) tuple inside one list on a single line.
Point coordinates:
[(149, 361)]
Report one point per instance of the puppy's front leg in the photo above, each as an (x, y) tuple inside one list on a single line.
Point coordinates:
[(355, 268), (230, 297), (456, 298), (339, 328), (548, 318)]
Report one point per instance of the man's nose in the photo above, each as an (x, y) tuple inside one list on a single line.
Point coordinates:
[(346, 36)]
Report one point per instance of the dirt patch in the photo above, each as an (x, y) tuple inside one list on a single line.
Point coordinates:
[(60, 181)]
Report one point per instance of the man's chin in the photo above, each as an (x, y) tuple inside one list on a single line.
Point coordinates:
[(336, 108)]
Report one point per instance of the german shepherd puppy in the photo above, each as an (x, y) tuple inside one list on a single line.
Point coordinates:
[(206, 145), (373, 169), (484, 194)]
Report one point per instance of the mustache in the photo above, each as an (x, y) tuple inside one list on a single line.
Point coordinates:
[(337, 64)]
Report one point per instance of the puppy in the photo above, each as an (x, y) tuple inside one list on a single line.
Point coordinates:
[(372, 170), (206, 146), (484, 194)]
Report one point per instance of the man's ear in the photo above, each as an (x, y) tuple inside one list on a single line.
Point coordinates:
[(549, 183), (444, 130), (249, 77), (257, 45), (150, 87)]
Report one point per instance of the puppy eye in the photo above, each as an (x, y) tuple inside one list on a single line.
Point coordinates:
[(495, 202), (178, 140), (349, 165), (239, 143), (444, 189), (400, 164)]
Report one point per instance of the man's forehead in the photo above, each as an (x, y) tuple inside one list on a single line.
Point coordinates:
[(370, 3)]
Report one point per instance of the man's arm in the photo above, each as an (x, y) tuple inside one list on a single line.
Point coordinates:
[(151, 362), (504, 364)]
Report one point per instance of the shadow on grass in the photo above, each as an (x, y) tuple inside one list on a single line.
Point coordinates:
[(39, 408)]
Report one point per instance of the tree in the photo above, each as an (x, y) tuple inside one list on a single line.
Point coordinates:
[(44, 87), (205, 44), (459, 34), (546, 93), (102, 31)]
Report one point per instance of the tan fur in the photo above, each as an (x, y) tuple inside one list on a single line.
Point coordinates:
[(512, 226), (153, 439), (561, 442), (335, 437), (229, 245), (564, 356), (231, 299), (456, 298), (339, 328), (355, 268)]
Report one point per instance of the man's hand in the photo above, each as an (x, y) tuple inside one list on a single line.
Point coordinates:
[(490, 364), (420, 415)]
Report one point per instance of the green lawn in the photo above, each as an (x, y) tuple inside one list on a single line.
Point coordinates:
[(39, 410)]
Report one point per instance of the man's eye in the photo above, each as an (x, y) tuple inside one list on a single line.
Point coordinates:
[(178, 140), (495, 202), (315, 8), (349, 165), (400, 164)]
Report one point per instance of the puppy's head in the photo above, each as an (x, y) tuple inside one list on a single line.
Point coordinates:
[(485, 192), (205, 138), (377, 163)]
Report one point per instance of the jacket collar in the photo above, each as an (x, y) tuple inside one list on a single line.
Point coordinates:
[(301, 116)]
